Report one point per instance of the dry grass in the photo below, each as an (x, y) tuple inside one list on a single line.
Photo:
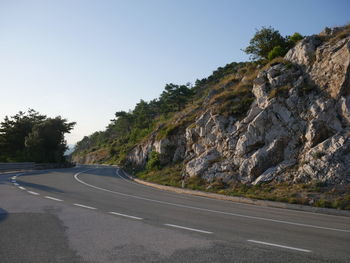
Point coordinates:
[(275, 61), (313, 194), (345, 32), (280, 92)]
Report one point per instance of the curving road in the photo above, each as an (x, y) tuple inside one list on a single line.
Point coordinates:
[(96, 214)]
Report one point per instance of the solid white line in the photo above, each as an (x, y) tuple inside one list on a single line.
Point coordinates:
[(33, 193), (85, 206), (20, 187), (119, 175), (52, 198), (210, 210), (188, 228), (276, 245), (119, 214)]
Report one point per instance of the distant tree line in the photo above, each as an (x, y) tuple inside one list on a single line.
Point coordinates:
[(30, 136), (128, 127)]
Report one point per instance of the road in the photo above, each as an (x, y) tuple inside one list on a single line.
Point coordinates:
[(96, 214)]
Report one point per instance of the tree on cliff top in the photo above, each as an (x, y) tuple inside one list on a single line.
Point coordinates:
[(263, 42)]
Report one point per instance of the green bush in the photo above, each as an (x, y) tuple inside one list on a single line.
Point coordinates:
[(277, 51), (242, 106), (323, 203), (195, 183), (293, 39), (154, 161)]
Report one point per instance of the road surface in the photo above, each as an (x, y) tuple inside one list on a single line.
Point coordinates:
[(96, 214)]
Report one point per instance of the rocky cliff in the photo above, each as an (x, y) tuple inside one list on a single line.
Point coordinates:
[(296, 129)]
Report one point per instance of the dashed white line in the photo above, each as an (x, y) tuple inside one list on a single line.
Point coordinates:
[(33, 193), (16, 184), (209, 210), (53, 198), (188, 228), (281, 246), (85, 206), (124, 215), (21, 187)]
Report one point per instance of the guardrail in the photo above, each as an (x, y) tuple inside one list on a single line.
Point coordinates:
[(4, 167)]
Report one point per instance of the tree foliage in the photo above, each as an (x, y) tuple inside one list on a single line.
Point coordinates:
[(277, 51), (33, 137), (130, 127), (268, 43)]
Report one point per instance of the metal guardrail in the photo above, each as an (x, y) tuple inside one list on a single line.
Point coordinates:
[(16, 166)]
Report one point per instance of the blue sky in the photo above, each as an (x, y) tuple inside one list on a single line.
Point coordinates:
[(85, 60)]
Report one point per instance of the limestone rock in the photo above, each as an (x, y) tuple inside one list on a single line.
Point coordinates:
[(291, 132)]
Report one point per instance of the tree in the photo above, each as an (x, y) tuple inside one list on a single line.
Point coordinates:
[(13, 131), (175, 97), (263, 42), (46, 141), (33, 137)]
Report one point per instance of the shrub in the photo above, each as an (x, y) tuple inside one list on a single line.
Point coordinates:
[(242, 106), (154, 161), (277, 51), (293, 39), (323, 203), (195, 183)]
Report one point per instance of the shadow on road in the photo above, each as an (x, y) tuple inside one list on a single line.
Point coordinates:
[(3, 214), (40, 187), (107, 172)]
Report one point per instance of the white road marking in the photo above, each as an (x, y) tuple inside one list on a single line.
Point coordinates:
[(281, 246), (85, 206), (16, 184), (33, 193), (122, 177), (53, 198), (13, 177), (188, 228), (130, 181), (126, 179), (119, 214), (210, 210), (21, 187)]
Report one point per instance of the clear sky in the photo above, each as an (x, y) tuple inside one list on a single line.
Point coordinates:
[(85, 60)]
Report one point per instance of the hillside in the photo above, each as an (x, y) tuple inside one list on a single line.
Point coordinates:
[(253, 128)]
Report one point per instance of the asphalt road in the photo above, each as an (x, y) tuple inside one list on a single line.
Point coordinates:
[(95, 214)]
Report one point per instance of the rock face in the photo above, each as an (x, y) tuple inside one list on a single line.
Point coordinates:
[(328, 65), (297, 129)]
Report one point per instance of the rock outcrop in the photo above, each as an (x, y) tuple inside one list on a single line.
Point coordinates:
[(297, 129)]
